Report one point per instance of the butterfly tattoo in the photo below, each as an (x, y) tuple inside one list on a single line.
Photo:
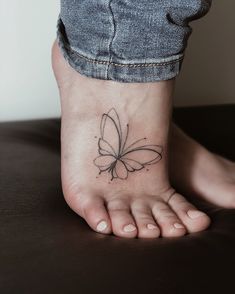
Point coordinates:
[(116, 156)]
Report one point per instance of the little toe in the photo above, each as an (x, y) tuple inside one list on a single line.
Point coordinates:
[(123, 224), (193, 219), (147, 227), (169, 223), (96, 215)]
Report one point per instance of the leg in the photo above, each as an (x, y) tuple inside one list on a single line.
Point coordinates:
[(132, 195)]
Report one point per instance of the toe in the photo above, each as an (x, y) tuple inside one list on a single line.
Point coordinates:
[(193, 219), (123, 224), (169, 223), (147, 227), (95, 214)]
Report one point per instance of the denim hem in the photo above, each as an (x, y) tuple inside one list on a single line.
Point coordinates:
[(125, 71)]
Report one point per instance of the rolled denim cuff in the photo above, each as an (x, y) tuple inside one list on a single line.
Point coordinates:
[(127, 40), (146, 70)]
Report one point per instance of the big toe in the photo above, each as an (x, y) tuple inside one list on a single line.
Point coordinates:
[(93, 210), (123, 224), (193, 219)]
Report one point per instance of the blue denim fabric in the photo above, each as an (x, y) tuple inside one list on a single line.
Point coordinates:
[(127, 40)]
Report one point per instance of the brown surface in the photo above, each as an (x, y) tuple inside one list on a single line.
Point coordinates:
[(46, 248)]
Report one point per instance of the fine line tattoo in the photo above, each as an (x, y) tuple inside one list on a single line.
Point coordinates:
[(115, 157)]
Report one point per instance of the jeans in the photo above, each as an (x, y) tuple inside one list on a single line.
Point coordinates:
[(127, 40)]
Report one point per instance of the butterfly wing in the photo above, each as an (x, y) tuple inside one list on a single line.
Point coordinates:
[(109, 144), (132, 165), (111, 133), (105, 162), (117, 168), (138, 158), (120, 170), (105, 148)]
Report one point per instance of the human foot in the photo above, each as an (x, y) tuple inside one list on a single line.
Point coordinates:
[(193, 169), (132, 195)]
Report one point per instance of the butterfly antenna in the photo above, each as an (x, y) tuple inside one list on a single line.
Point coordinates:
[(127, 133)]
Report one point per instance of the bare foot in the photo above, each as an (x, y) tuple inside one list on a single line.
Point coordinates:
[(194, 169), (114, 156)]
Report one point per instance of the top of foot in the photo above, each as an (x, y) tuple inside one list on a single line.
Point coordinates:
[(114, 156)]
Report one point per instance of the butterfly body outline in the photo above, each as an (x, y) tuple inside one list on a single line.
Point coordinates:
[(117, 159)]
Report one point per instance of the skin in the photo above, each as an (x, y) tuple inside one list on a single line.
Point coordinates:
[(196, 171), (144, 205)]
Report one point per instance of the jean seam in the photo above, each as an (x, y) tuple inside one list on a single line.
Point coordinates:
[(152, 64), (66, 47), (112, 38)]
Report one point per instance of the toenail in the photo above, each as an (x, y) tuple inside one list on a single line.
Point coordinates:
[(101, 226), (195, 213), (178, 226), (129, 228), (151, 226)]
